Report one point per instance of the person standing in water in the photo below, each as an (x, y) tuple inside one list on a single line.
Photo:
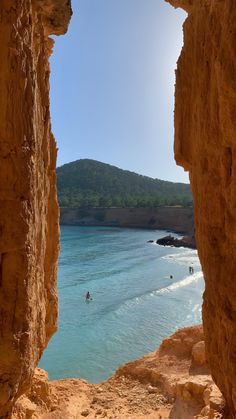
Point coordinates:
[(88, 296), (191, 270)]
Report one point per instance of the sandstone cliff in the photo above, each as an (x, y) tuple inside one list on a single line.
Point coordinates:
[(28, 203), (205, 127), (172, 382), (178, 219)]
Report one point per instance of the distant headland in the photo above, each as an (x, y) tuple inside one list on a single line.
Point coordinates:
[(92, 193), (90, 183)]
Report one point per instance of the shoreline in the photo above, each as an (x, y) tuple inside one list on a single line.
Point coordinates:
[(186, 241), (179, 220)]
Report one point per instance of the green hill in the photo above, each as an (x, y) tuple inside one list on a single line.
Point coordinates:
[(90, 183)]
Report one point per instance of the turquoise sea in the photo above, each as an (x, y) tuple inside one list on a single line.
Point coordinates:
[(135, 302)]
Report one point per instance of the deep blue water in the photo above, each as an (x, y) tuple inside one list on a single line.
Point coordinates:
[(135, 303)]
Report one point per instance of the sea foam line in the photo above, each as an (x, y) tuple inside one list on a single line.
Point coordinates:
[(183, 283), (190, 257), (172, 287)]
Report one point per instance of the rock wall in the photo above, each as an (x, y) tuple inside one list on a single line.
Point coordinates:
[(172, 382), (205, 144), (29, 239), (205, 126), (176, 219)]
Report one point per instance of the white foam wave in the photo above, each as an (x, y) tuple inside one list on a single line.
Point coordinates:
[(170, 288), (195, 307), (186, 258), (183, 283)]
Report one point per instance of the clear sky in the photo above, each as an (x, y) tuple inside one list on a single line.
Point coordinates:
[(112, 85)]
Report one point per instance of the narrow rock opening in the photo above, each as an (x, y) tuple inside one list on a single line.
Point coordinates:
[(204, 144), (153, 89)]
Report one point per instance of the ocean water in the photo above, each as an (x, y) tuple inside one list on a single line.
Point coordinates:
[(135, 302)]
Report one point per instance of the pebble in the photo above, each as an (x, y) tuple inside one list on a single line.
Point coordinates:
[(95, 399), (85, 412), (99, 411), (151, 389)]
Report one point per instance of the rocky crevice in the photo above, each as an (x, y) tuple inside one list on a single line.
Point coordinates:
[(29, 239), (205, 127)]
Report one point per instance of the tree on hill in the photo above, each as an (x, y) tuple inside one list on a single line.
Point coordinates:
[(89, 183)]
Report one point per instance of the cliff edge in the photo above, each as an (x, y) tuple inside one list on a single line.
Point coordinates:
[(29, 231), (172, 382), (205, 128)]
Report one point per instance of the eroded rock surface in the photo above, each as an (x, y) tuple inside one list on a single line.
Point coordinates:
[(205, 144), (205, 126), (28, 203), (168, 383)]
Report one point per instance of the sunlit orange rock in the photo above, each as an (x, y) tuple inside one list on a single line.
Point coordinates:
[(29, 239), (205, 127), (167, 384), (205, 145)]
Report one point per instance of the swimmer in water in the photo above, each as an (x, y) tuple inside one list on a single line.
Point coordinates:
[(88, 296)]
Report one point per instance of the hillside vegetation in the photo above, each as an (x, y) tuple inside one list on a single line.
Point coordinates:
[(90, 183)]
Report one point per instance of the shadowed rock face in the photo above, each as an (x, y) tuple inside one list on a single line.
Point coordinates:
[(205, 126), (205, 144), (29, 239)]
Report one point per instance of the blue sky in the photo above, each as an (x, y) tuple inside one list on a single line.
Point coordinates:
[(112, 85)]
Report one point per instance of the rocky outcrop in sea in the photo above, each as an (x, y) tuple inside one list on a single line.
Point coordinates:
[(187, 241)]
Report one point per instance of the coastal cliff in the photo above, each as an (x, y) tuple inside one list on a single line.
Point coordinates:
[(172, 382), (205, 127), (29, 231), (177, 219)]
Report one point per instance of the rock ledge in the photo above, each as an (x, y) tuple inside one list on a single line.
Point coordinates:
[(172, 382)]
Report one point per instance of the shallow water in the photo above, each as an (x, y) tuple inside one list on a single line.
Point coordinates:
[(135, 303)]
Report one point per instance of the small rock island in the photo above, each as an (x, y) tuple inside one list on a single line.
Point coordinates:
[(187, 241)]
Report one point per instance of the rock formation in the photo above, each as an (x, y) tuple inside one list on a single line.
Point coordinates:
[(172, 382), (205, 126), (205, 145), (177, 219), (187, 241), (28, 204)]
